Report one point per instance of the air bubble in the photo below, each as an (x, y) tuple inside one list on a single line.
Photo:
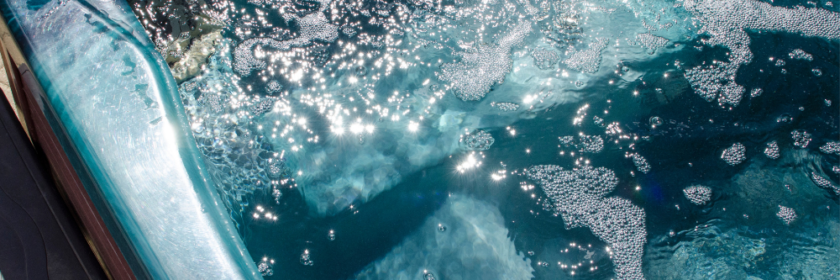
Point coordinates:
[(735, 154), (800, 54), (784, 118), (261, 105), (801, 138), (655, 121), (832, 147), (478, 141), (772, 150), (306, 259), (505, 106), (824, 183), (651, 42), (787, 215), (588, 60), (756, 92), (640, 162), (273, 87), (266, 267), (478, 71), (584, 143), (698, 195), (545, 58)]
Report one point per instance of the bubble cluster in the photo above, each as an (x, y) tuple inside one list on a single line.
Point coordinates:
[(651, 42), (261, 105), (756, 92), (588, 60), (478, 71), (590, 143), (584, 143), (566, 140), (276, 168), (349, 31), (711, 83), (306, 259), (479, 140), (315, 26), (698, 195), (578, 196), (212, 101), (245, 59), (772, 150), (276, 194), (824, 183), (787, 215), (240, 161), (832, 147), (598, 121), (735, 154), (273, 87), (614, 128), (801, 138), (727, 21), (639, 161), (505, 106), (800, 54), (786, 118), (545, 58), (266, 267), (249, 56)]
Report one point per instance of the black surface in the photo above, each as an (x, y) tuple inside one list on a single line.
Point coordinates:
[(39, 237)]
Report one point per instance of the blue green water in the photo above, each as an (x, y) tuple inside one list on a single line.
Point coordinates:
[(337, 133)]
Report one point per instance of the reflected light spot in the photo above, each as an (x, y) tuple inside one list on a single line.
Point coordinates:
[(469, 163), (356, 128)]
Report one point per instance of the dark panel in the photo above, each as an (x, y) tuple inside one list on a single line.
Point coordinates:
[(39, 236)]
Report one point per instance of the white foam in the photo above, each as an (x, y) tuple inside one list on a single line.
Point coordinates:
[(578, 196), (477, 72), (726, 22)]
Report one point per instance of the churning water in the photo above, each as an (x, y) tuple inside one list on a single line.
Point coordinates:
[(517, 139)]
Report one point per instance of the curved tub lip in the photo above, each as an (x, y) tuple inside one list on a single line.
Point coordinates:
[(41, 135), (108, 240)]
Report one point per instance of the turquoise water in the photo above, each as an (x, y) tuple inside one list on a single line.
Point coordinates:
[(517, 139)]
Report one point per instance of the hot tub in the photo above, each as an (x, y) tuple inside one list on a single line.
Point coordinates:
[(440, 139)]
